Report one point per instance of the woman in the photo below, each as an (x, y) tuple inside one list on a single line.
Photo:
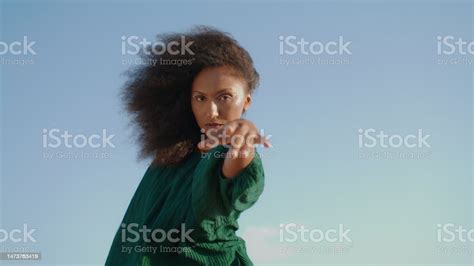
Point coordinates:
[(205, 170)]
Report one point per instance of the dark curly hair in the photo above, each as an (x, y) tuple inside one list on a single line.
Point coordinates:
[(158, 94)]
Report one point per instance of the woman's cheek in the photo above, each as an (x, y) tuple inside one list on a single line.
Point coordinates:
[(198, 116), (234, 111), (237, 103)]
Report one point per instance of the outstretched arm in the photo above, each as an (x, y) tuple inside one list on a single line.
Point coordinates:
[(241, 135)]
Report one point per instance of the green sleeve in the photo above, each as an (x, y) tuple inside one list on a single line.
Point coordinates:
[(243, 190), (215, 196)]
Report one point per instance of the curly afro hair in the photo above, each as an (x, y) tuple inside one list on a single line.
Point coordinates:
[(158, 94)]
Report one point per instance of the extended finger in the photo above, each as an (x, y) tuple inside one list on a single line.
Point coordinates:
[(238, 138)]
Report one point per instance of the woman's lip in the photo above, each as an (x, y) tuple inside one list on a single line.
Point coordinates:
[(209, 125)]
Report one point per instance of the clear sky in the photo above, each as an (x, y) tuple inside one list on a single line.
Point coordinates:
[(317, 175)]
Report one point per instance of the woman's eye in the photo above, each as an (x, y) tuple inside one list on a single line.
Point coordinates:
[(225, 97), (199, 98)]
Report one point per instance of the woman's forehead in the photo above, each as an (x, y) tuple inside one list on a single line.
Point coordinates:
[(216, 80)]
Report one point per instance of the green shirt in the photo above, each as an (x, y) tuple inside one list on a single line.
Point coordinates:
[(199, 203)]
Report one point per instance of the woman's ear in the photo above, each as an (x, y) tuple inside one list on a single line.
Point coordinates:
[(248, 102)]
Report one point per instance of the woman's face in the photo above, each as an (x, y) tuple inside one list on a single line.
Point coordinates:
[(218, 96)]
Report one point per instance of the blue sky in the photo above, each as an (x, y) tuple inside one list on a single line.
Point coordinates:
[(315, 176)]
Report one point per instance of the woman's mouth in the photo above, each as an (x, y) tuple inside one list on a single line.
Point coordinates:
[(213, 125)]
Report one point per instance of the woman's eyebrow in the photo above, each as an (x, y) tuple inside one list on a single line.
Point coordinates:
[(222, 90)]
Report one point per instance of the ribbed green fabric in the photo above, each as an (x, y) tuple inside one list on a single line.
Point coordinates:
[(196, 195)]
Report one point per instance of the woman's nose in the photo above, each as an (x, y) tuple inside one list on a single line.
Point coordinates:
[(212, 110)]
